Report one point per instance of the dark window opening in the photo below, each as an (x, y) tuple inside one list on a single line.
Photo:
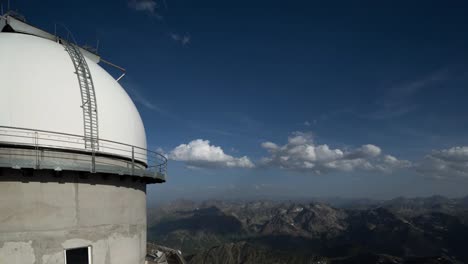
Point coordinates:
[(77, 256)]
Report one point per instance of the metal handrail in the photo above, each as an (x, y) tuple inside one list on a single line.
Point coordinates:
[(133, 156)]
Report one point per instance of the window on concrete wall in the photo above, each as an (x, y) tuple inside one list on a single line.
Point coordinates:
[(78, 255)]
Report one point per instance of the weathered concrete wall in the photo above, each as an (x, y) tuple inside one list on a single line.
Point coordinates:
[(42, 213)]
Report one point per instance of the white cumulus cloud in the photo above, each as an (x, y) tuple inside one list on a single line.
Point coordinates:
[(303, 154), (201, 154), (445, 163)]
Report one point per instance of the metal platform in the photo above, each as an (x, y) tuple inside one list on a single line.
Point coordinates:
[(22, 148)]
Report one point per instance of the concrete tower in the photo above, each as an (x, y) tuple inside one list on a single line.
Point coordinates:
[(74, 164)]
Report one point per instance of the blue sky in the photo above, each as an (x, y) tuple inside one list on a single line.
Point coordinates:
[(289, 98)]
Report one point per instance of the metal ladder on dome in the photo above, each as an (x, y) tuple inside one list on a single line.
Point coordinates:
[(88, 96)]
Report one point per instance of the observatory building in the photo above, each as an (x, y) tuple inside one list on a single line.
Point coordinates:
[(74, 163)]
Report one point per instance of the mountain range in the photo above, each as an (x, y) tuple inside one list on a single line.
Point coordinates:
[(403, 230)]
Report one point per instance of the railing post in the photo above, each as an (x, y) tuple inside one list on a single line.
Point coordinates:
[(36, 147), (93, 161), (133, 160)]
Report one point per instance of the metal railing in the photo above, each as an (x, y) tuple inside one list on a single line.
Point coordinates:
[(41, 149)]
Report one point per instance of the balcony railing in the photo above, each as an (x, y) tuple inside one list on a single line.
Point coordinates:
[(40, 149)]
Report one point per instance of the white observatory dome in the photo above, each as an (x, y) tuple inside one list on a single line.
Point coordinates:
[(39, 91), (74, 166)]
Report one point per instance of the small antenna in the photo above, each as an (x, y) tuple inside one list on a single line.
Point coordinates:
[(97, 46)]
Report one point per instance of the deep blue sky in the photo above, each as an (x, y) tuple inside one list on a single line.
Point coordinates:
[(239, 73)]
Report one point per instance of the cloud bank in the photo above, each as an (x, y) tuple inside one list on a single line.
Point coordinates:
[(200, 154), (301, 153)]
